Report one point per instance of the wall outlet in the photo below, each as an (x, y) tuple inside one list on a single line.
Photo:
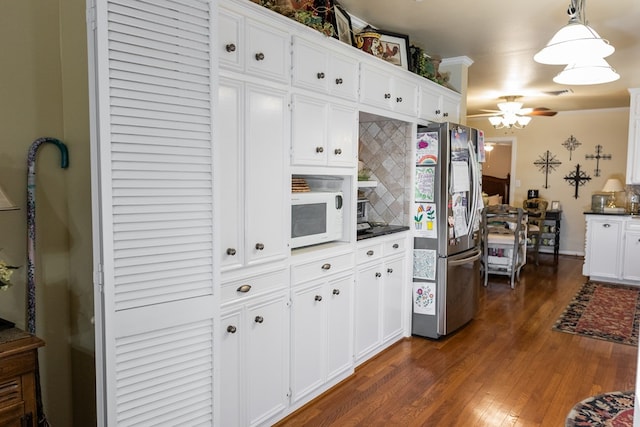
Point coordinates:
[(517, 183)]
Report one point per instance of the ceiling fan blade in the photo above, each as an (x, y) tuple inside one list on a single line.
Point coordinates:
[(558, 92), (525, 111), (483, 115), (541, 111)]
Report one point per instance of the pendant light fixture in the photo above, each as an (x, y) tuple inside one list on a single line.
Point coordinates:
[(575, 41), (591, 71)]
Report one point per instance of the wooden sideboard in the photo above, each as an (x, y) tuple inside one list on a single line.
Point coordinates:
[(18, 356)]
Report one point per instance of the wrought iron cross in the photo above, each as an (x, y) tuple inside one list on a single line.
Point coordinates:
[(598, 156), (571, 144), (547, 163), (577, 178)]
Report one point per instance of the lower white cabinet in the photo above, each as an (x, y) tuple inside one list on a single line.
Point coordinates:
[(631, 259), (322, 325), (379, 295), (254, 353), (612, 248)]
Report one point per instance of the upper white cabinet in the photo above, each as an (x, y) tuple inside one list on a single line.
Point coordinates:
[(633, 153), (438, 104), (255, 185), (393, 92), (323, 70), (323, 133), (253, 47)]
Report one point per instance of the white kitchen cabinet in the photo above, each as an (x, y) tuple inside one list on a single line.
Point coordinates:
[(436, 104), (631, 258), (379, 295), (324, 70), (633, 152), (323, 133), (381, 88), (255, 188), (603, 247), (253, 47), (322, 319), (254, 353)]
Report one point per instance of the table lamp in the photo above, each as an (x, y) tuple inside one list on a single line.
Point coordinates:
[(5, 203), (612, 186)]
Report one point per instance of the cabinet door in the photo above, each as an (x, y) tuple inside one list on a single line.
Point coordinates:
[(309, 349), (392, 298), (309, 131), (268, 52), (605, 243), (450, 109), (343, 79), (267, 358), (430, 104), (231, 239), (631, 262), (231, 52), (404, 98), (310, 70), (231, 402), (375, 87), (340, 326), (633, 150), (342, 145), (367, 309), (266, 183)]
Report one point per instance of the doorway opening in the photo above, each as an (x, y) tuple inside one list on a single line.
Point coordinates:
[(500, 162)]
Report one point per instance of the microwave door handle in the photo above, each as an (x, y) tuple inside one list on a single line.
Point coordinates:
[(338, 202)]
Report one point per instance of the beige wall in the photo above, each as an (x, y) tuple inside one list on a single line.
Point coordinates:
[(44, 93), (608, 128)]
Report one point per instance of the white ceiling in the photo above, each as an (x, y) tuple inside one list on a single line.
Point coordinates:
[(501, 37)]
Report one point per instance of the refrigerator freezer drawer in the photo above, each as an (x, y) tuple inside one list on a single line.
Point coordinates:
[(462, 287)]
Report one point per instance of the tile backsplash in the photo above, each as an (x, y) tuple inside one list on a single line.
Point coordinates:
[(385, 150)]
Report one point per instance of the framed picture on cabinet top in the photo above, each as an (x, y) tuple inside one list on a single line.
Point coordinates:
[(394, 48), (342, 24), (555, 205)]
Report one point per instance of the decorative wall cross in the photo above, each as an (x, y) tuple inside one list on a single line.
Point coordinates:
[(598, 156), (577, 178), (571, 144), (547, 163)]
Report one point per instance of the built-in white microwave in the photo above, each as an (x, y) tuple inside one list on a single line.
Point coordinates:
[(316, 217)]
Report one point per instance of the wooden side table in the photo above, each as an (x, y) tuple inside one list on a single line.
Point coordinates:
[(18, 356)]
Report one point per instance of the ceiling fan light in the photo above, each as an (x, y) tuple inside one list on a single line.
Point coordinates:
[(510, 106), (571, 43), (523, 120), (495, 121), (590, 72)]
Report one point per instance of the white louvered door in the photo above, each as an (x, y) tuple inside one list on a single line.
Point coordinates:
[(153, 69)]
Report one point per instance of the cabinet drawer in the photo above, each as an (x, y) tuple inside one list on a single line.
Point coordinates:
[(253, 285), (633, 225), (370, 252), (322, 267), (394, 247)]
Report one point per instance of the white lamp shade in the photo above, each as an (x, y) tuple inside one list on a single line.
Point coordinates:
[(587, 72), (495, 120), (571, 43), (5, 203), (510, 106), (612, 185)]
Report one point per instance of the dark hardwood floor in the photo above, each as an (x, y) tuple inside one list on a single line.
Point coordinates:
[(505, 368)]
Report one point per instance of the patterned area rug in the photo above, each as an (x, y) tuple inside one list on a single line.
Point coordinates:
[(609, 409), (603, 311)]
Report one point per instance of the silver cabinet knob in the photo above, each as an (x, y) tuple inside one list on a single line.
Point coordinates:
[(319, 149), (395, 246), (337, 151), (230, 47), (259, 319), (326, 266), (231, 251), (231, 329), (336, 291), (320, 75), (259, 56), (445, 115), (338, 81), (389, 270), (378, 274), (399, 99), (387, 96), (259, 246), (437, 112), (370, 253), (318, 298)]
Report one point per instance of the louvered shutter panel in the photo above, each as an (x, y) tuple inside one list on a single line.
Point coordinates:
[(153, 175)]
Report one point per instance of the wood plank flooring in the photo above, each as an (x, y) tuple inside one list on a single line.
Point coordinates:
[(505, 368)]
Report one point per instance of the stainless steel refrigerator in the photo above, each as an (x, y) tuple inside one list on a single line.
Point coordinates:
[(446, 216)]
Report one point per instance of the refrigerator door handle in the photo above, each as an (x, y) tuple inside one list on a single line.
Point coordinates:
[(474, 257), (476, 186)]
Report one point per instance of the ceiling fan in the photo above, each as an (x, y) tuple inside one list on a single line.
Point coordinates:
[(510, 113)]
